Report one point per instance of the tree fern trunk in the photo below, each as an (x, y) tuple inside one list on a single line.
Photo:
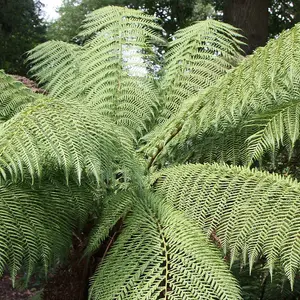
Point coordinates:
[(252, 17)]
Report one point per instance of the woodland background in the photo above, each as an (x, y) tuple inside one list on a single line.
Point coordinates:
[(23, 26)]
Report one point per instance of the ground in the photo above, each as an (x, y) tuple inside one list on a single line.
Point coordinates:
[(8, 293)]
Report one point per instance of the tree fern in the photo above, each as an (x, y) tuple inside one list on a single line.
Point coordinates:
[(110, 71), (159, 255), (69, 157), (251, 212), (115, 64)]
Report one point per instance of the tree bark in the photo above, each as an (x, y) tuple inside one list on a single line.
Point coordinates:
[(251, 16)]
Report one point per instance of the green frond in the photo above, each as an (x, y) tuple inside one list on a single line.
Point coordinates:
[(68, 136), (161, 254), (14, 96), (229, 147), (197, 57), (56, 65), (36, 223), (278, 127), (251, 213), (114, 208), (115, 60), (265, 80)]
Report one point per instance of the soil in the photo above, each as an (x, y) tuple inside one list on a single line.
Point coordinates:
[(8, 293), (29, 83)]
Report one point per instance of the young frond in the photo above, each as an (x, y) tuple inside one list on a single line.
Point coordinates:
[(73, 137), (14, 96), (265, 80), (115, 60), (249, 212), (114, 208), (36, 223), (162, 255), (56, 65), (198, 56)]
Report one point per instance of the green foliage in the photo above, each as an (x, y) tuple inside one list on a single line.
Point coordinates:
[(162, 254), (266, 81), (198, 56), (69, 158), (68, 136), (114, 208), (251, 212), (109, 74), (14, 97), (56, 66), (37, 222)]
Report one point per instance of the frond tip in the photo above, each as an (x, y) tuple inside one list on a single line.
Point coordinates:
[(56, 65), (252, 213), (116, 56), (161, 254), (199, 55)]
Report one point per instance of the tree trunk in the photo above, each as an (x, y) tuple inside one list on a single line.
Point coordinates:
[(252, 17)]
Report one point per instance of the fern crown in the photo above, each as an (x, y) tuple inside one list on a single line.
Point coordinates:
[(158, 153)]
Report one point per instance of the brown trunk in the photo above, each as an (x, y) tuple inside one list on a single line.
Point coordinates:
[(252, 17)]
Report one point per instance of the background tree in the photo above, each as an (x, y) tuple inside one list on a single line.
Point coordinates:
[(172, 13), (251, 16), (259, 19), (21, 28)]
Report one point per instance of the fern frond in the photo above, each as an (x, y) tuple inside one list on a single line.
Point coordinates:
[(56, 66), (114, 208), (37, 223), (267, 79), (229, 147), (72, 137), (278, 127), (252, 213), (116, 58), (161, 254), (14, 96), (197, 57)]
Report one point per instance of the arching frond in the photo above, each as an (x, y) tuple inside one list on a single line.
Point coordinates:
[(115, 61), (278, 127), (70, 136), (56, 65), (250, 212), (114, 208), (14, 96), (198, 56), (160, 254), (265, 80), (36, 223)]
